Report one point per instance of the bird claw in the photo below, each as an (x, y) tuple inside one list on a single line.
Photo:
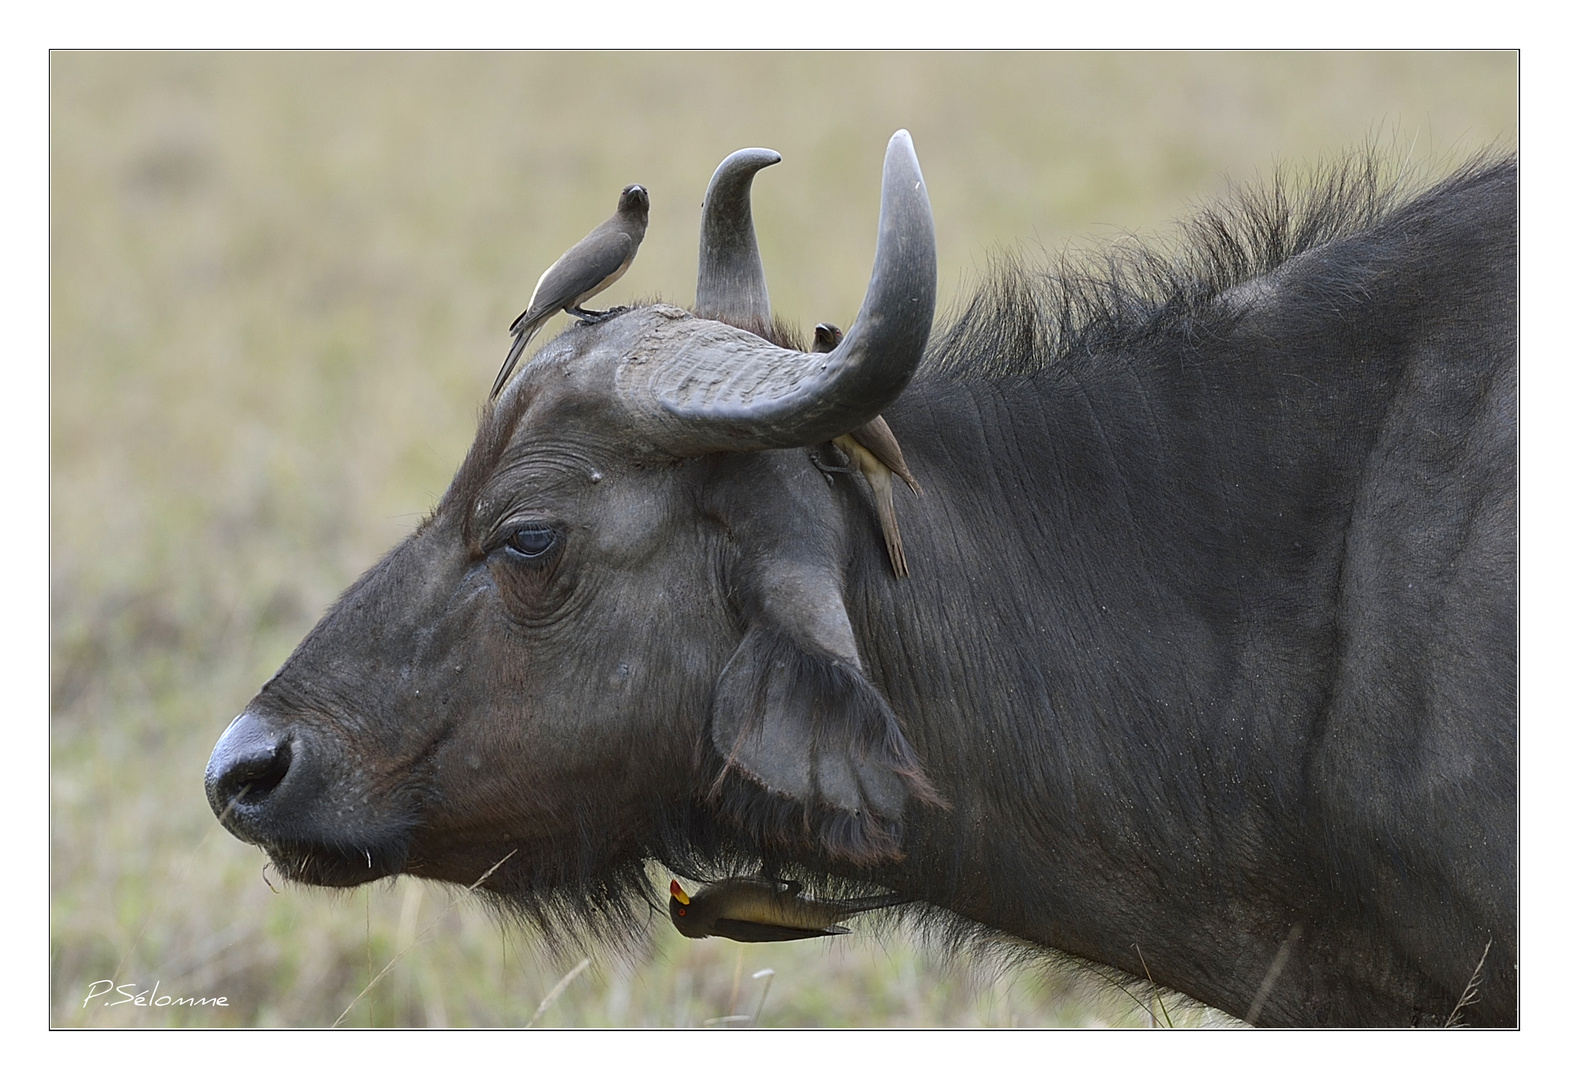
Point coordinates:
[(591, 317), (826, 469)]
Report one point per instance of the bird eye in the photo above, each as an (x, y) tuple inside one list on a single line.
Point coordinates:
[(532, 541)]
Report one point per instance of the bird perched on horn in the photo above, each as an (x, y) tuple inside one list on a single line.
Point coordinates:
[(756, 909), (588, 268), (872, 449)]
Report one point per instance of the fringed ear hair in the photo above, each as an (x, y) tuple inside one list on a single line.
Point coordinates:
[(811, 750), (805, 755)]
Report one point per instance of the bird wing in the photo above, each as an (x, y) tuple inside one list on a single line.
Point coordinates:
[(762, 903), (741, 930), (531, 309), (586, 267), (878, 439), (871, 903)]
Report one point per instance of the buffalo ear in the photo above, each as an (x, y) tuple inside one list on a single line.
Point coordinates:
[(810, 748)]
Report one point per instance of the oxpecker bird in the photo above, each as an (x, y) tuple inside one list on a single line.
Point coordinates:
[(872, 449), (756, 909), (589, 267)]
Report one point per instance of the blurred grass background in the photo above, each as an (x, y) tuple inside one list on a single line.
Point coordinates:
[(279, 289)]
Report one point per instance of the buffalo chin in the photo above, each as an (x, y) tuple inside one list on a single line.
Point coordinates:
[(337, 865)]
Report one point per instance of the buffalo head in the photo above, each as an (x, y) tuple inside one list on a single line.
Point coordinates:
[(625, 615)]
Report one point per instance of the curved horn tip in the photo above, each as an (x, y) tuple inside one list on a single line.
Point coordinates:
[(731, 392), (760, 154), (901, 154), (730, 281), (746, 161)]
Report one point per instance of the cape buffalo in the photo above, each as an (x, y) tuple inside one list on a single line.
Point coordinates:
[(1205, 666)]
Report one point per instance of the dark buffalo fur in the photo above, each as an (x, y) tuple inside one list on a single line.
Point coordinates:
[(1184, 438), (1023, 321)]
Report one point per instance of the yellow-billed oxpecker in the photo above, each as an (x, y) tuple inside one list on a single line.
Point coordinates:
[(589, 267), (873, 449), (756, 909)]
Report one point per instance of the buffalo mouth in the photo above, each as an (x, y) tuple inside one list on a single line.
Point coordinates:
[(273, 786), (283, 790), (506, 869), (310, 858), (337, 865)]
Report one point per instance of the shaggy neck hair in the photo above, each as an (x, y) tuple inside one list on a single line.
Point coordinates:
[(1024, 318), (1020, 322)]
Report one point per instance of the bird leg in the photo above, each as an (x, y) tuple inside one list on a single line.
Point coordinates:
[(816, 457), (592, 317)]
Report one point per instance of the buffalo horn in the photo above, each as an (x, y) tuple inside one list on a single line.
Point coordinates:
[(713, 388), (730, 285)]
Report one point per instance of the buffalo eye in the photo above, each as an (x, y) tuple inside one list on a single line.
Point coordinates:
[(531, 541)]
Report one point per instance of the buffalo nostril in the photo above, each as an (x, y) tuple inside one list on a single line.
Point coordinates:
[(247, 765), (252, 779)]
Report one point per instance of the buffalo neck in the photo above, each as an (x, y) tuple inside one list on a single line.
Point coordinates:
[(1111, 557)]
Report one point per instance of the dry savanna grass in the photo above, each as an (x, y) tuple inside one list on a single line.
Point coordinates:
[(279, 289)]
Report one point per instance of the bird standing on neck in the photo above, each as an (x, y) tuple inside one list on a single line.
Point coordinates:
[(872, 449), (589, 267), (756, 909)]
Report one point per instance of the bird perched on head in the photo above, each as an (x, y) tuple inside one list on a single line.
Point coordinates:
[(872, 449), (589, 267), (756, 909)]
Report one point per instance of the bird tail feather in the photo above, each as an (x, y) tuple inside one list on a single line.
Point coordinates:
[(890, 523), (519, 343)]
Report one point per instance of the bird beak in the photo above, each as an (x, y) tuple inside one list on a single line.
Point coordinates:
[(680, 895)]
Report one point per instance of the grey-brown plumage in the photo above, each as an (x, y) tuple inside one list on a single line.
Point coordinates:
[(872, 449), (756, 909), (588, 268)]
